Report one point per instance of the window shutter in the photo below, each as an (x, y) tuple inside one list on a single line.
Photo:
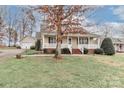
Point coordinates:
[(77, 41), (49, 40)]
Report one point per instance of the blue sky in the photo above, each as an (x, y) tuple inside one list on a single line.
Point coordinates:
[(113, 15), (106, 14), (102, 14)]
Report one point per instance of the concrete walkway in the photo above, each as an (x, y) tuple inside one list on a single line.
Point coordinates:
[(10, 52)]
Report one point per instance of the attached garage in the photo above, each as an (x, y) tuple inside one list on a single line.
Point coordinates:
[(27, 42)]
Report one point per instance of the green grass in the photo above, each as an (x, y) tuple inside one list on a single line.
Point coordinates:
[(85, 71), (29, 52)]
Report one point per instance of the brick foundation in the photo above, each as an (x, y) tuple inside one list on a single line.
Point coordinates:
[(76, 51), (91, 51)]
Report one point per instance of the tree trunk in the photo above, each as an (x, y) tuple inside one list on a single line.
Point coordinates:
[(14, 43), (58, 50), (9, 39), (58, 40)]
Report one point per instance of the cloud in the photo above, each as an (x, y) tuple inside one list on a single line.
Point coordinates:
[(115, 29), (119, 11)]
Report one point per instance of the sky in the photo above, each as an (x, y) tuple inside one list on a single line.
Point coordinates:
[(110, 15), (107, 14)]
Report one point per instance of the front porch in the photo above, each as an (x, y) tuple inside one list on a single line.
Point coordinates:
[(88, 46), (72, 42)]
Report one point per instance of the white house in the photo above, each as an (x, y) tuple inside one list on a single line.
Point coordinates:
[(74, 41), (27, 42), (118, 44)]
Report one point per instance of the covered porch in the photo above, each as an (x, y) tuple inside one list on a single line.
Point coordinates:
[(73, 41)]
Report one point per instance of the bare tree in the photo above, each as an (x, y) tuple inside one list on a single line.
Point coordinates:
[(2, 23), (106, 30), (26, 22), (12, 20)]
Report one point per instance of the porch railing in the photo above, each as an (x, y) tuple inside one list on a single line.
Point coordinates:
[(88, 46), (53, 45), (80, 46)]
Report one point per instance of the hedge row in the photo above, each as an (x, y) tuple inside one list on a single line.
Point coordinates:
[(52, 51)]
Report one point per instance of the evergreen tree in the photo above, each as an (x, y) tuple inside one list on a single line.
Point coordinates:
[(38, 45), (108, 46)]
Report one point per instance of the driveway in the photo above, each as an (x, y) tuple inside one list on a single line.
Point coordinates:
[(10, 52)]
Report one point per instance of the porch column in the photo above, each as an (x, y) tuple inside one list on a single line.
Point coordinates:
[(89, 42), (67, 39), (43, 41), (98, 42), (78, 40)]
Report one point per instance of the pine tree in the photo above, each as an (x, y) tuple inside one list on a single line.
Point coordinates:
[(38, 45), (108, 46)]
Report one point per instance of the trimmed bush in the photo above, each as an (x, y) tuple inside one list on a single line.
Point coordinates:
[(38, 45), (108, 46), (18, 47), (32, 47), (53, 51), (45, 51), (49, 51), (18, 56), (65, 51), (99, 51), (85, 51)]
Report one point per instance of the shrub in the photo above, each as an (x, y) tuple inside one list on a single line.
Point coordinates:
[(45, 51), (38, 45), (98, 51), (18, 47), (53, 51), (49, 51), (32, 47), (65, 51), (18, 56), (85, 51), (108, 46)]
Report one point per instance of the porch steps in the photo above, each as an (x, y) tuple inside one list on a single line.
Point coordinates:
[(76, 51)]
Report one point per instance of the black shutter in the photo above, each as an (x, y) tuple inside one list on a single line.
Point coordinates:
[(49, 40), (77, 41)]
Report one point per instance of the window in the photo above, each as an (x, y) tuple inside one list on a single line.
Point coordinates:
[(83, 40), (52, 40)]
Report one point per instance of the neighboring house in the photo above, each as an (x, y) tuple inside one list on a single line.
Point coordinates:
[(74, 41), (118, 44), (27, 42)]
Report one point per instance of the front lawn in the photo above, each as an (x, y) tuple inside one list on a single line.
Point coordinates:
[(31, 52), (83, 71)]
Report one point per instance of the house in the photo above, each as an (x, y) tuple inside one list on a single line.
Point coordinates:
[(118, 44), (75, 41), (27, 42)]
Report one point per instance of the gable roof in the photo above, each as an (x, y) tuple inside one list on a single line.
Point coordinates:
[(76, 30)]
